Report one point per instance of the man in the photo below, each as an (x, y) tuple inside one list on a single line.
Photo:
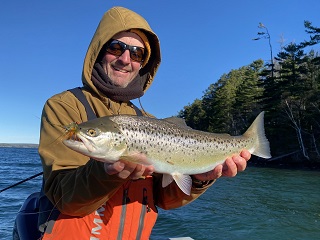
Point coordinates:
[(97, 200)]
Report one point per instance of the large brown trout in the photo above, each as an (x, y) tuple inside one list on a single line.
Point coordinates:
[(173, 148)]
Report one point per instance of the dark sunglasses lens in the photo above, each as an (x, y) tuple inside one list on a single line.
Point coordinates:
[(136, 54), (117, 48)]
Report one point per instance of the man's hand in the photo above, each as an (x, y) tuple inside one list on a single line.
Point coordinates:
[(230, 168), (125, 169)]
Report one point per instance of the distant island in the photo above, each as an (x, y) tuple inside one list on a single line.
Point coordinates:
[(19, 145)]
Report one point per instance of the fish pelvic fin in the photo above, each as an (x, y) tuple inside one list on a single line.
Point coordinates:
[(184, 182), (166, 180), (261, 147)]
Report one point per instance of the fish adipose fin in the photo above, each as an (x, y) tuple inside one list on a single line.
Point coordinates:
[(262, 146), (184, 182)]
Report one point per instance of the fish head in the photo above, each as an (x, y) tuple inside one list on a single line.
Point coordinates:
[(99, 139)]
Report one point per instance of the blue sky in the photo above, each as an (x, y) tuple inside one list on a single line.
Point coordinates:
[(43, 44)]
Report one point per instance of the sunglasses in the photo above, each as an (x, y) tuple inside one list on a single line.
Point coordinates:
[(117, 48)]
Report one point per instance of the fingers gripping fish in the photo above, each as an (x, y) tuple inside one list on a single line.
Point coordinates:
[(174, 149)]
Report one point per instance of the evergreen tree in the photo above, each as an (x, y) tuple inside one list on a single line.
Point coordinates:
[(195, 116), (314, 32), (232, 102)]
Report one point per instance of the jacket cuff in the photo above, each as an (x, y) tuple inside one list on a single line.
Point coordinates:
[(197, 184)]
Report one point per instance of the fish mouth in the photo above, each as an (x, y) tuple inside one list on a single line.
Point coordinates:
[(79, 144)]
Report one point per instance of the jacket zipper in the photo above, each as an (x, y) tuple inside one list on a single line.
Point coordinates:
[(145, 209), (125, 201)]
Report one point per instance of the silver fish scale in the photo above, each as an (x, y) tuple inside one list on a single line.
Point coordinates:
[(178, 146)]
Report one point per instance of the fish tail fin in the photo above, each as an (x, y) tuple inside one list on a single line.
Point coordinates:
[(262, 145)]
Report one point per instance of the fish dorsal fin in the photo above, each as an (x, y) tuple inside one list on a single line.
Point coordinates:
[(178, 121)]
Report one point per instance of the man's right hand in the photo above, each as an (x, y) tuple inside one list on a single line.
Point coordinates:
[(125, 169)]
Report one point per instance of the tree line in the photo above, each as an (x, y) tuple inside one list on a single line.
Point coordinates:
[(287, 88)]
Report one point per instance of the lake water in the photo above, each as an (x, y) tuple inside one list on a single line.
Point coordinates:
[(260, 203)]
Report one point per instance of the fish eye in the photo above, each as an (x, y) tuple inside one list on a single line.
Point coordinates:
[(92, 132)]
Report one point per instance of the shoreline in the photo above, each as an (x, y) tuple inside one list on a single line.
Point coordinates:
[(19, 145)]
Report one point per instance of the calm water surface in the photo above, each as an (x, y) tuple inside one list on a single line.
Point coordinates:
[(260, 203)]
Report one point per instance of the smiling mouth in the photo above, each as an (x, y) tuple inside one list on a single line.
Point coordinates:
[(120, 69)]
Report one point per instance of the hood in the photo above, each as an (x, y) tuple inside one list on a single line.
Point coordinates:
[(116, 20)]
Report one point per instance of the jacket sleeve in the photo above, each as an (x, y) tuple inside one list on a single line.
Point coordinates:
[(75, 184), (172, 197)]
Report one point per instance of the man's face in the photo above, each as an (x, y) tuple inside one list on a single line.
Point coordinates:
[(122, 69)]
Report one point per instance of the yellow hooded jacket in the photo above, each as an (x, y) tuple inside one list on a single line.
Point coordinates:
[(76, 185)]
